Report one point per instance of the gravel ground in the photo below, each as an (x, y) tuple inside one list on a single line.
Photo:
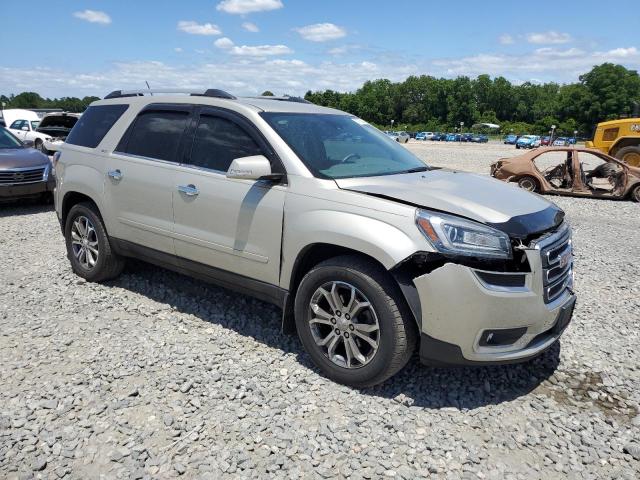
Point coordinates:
[(156, 375)]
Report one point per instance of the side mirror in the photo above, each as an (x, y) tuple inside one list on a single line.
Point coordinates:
[(28, 143), (256, 167), (26, 129)]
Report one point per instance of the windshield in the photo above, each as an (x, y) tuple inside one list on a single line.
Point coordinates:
[(7, 140), (341, 146), (34, 124)]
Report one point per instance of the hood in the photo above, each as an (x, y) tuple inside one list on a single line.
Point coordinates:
[(483, 199), (22, 158)]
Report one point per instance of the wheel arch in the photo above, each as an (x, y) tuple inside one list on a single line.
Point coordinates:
[(70, 199), (622, 143), (315, 253)]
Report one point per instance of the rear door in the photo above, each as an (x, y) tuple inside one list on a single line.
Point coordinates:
[(141, 176), (229, 224)]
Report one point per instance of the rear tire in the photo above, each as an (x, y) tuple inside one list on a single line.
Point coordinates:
[(88, 246), (382, 317), (635, 193), (629, 155), (529, 184)]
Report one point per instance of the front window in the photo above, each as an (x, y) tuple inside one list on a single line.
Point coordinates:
[(34, 124), (341, 146), (7, 140)]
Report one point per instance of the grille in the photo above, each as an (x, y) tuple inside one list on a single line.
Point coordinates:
[(17, 177), (556, 252)]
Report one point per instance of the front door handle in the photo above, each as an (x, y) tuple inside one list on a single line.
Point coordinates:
[(115, 174), (189, 190)]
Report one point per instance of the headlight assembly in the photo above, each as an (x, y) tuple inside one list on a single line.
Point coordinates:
[(457, 236)]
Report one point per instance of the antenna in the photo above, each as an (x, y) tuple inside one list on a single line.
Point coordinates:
[(148, 87)]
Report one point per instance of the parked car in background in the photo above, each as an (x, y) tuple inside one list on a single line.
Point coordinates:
[(24, 171), (573, 140), (545, 141), (528, 141), (452, 137), (402, 137), (25, 127), (479, 138), (439, 137), (466, 137), (561, 142), (380, 255), (424, 136), (570, 171), (57, 126), (510, 139)]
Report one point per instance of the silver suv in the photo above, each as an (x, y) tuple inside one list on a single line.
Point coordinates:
[(370, 253)]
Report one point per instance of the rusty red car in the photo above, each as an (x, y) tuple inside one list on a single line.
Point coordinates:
[(570, 171)]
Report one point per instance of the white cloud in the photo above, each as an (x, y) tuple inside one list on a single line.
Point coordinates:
[(251, 51), (178, 50), (250, 27), (506, 39), (240, 7), (548, 38), (93, 16), (223, 43), (623, 52), (195, 28), (321, 32)]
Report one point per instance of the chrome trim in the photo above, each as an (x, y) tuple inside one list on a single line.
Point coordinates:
[(189, 190)]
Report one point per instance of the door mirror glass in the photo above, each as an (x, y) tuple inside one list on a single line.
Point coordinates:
[(250, 168), (25, 128)]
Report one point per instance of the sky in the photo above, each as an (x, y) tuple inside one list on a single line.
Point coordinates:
[(83, 47)]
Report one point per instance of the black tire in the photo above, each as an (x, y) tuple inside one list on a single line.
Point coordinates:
[(397, 329), (39, 145), (635, 193), (629, 155), (108, 265), (529, 184)]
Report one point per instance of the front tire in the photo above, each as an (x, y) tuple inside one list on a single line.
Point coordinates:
[(529, 184), (88, 246), (39, 145), (635, 194), (353, 321)]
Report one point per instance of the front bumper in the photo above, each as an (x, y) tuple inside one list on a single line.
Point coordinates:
[(16, 191), (471, 316)]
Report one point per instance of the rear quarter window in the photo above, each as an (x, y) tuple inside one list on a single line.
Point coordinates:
[(94, 124)]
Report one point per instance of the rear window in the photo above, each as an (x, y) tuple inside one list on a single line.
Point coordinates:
[(156, 134), (94, 124)]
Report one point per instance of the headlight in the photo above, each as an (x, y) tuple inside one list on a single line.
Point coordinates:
[(458, 236)]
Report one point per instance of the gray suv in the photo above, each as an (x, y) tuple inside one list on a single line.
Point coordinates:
[(370, 253)]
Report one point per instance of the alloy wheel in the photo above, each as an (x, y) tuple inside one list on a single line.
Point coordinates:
[(84, 242), (344, 324)]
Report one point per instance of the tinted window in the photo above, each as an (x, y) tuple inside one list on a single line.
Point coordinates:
[(94, 124), (17, 124), (156, 134), (341, 146), (218, 142)]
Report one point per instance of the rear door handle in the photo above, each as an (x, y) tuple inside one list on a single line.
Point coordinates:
[(115, 174), (189, 190)]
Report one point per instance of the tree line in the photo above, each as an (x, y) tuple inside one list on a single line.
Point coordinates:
[(28, 100), (426, 103)]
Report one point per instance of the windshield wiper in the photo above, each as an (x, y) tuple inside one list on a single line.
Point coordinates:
[(416, 170)]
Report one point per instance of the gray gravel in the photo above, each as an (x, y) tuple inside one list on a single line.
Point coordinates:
[(156, 375)]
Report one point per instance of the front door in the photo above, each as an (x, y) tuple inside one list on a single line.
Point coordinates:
[(229, 224), (141, 175)]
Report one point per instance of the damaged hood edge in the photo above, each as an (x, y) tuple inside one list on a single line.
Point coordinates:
[(486, 200)]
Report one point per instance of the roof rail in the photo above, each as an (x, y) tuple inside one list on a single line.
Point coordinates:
[(285, 98), (210, 92)]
